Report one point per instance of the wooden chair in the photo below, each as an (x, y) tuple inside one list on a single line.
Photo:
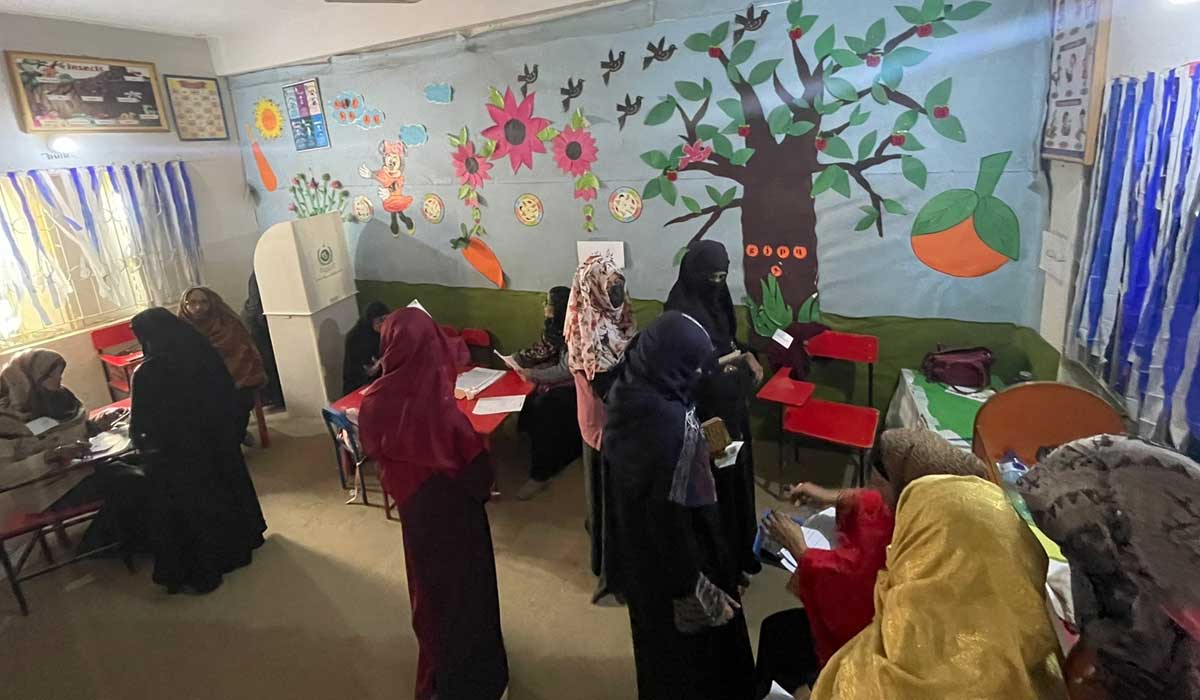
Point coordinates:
[(838, 423), (118, 367), (1027, 417)]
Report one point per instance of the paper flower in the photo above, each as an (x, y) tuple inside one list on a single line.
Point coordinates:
[(471, 169), (586, 194), (695, 153), (516, 130), (575, 151), (268, 119)]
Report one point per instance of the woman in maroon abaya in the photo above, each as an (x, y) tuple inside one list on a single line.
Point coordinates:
[(435, 466)]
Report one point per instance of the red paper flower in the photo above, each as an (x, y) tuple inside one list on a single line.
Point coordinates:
[(575, 152), (470, 168), (586, 195), (336, 184), (516, 130), (695, 153)]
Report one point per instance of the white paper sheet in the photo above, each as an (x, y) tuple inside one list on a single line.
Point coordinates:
[(474, 381), (414, 304), (508, 360), (731, 454), (783, 338), (37, 426), (586, 249), (499, 404)]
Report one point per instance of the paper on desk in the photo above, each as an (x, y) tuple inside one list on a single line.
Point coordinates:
[(508, 360), (783, 338), (37, 426), (731, 454), (472, 382), (414, 304), (499, 404)]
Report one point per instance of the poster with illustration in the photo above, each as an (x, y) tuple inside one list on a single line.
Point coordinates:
[(1077, 65), (306, 115), (199, 112)]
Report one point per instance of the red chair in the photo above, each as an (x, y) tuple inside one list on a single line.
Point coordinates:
[(838, 423), (848, 347), (118, 367)]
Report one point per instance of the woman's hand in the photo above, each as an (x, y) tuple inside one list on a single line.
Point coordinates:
[(65, 454), (808, 493), (755, 368), (105, 421), (786, 532)]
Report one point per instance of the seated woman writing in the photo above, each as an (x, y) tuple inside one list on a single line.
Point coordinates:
[(837, 585), (361, 366), (549, 415)]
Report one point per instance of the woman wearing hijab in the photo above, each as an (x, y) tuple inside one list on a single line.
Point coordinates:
[(205, 519), (730, 374), (959, 609), (31, 387), (436, 468), (667, 554), (598, 326), (837, 585), (1125, 514), (256, 321), (549, 415), (209, 314), (361, 364)]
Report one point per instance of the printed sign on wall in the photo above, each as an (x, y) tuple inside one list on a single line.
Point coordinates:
[(306, 114)]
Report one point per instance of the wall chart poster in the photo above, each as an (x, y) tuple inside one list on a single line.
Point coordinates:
[(1078, 63), (306, 114), (196, 103), (79, 94)]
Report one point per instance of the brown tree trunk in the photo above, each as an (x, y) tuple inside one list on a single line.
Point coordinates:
[(779, 214)]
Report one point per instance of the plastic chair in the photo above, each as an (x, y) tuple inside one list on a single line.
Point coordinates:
[(118, 368), (838, 423), (344, 434), (1027, 417)]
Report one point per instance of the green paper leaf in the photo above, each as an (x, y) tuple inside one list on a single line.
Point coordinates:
[(698, 43), (906, 121), (676, 154), (795, 11), (911, 15), (742, 52), (495, 98), (714, 194), (719, 34), (656, 159), (661, 113), (841, 183), (800, 128), (991, 169), (914, 171), (858, 46), (825, 42), (464, 191), (728, 195), (837, 148), (891, 72), (824, 180), (734, 75), (780, 119), (949, 127), (742, 156), (932, 9), (867, 145), (690, 91), (763, 71), (733, 108), (587, 181), (945, 211), (880, 94), (858, 117), (722, 146), (876, 34), (548, 134), (894, 207), (824, 108), (578, 121), (706, 132), (732, 128), (867, 221), (846, 59), (908, 56), (939, 95), (489, 148), (669, 192), (968, 10), (941, 30), (912, 143), (679, 255), (653, 188), (691, 204), (806, 23), (998, 227)]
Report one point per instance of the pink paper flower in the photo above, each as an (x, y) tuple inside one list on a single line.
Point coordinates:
[(695, 153), (516, 130), (336, 184), (575, 151), (586, 195), (470, 168)]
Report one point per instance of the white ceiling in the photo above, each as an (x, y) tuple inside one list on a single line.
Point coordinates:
[(248, 35)]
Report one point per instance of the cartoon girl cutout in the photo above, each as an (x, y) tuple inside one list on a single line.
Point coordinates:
[(391, 184)]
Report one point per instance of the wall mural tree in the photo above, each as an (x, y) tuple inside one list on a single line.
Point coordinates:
[(802, 148)]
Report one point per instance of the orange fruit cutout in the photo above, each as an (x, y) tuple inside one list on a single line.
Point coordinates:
[(958, 251)]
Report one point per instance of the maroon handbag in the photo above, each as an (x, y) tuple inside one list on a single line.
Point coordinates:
[(964, 367)]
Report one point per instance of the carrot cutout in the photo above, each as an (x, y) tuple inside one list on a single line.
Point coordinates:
[(479, 255), (265, 173)]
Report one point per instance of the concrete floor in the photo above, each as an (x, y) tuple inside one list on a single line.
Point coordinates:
[(323, 611)]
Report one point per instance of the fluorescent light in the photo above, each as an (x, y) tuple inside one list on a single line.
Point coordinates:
[(64, 145)]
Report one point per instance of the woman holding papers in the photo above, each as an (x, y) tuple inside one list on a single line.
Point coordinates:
[(667, 555), (549, 415), (436, 468), (837, 586), (730, 374)]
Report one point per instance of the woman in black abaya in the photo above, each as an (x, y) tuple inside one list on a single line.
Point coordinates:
[(205, 518), (725, 388), (361, 365), (666, 554)]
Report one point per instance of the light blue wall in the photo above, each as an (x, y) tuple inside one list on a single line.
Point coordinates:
[(998, 62)]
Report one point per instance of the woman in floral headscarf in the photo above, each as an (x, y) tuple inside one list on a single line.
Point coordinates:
[(598, 327)]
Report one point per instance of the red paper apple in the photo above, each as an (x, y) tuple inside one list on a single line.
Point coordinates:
[(941, 112), (744, 130), (873, 60), (716, 52), (822, 144), (672, 175), (796, 33), (899, 139), (925, 30)]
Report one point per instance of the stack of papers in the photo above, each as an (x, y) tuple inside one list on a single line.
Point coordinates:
[(473, 382)]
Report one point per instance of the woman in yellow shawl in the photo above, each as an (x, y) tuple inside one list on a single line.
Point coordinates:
[(960, 610)]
